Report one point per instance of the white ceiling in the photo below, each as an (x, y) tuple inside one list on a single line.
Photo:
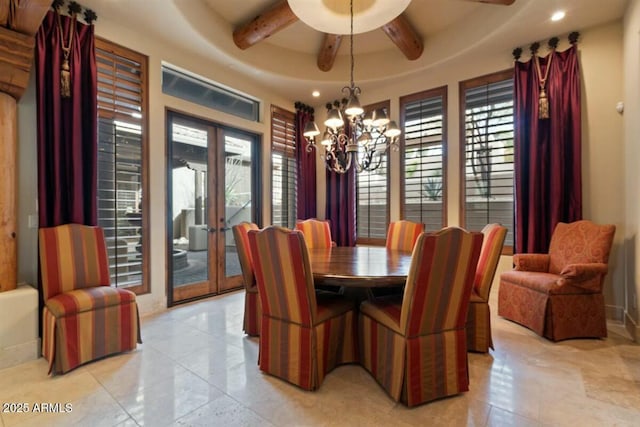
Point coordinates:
[(286, 61)]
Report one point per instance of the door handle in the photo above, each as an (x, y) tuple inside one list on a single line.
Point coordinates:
[(211, 229), (223, 229)]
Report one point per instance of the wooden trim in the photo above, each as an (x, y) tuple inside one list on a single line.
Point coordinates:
[(16, 58), (8, 193), (145, 286), (27, 16), (430, 93)]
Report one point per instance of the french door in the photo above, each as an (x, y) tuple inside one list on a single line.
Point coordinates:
[(211, 182)]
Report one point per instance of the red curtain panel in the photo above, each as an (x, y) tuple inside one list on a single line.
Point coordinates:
[(547, 150)]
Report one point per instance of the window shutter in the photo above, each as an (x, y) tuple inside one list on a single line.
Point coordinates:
[(424, 179), (489, 156), (284, 177), (121, 148)]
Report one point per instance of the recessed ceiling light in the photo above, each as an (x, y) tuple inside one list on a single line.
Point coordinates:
[(557, 16), (315, 94)]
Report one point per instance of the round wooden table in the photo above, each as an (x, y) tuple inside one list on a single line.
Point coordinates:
[(359, 266)]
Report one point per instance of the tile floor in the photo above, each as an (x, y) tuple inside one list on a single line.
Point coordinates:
[(197, 368)]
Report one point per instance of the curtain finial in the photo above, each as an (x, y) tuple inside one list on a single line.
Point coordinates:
[(57, 4), (553, 42), (90, 16), (74, 8), (573, 37), (535, 46), (517, 53)]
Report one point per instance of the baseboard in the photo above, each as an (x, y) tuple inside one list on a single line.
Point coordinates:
[(614, 312), (631, 327), (20, 353)]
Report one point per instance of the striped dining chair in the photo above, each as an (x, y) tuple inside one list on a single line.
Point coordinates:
[(252, 308), (415, 345), (317, 233), (303, 336), (84, 318), (479, 317), (402, 235)]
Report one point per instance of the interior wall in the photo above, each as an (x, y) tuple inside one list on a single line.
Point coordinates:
[(631, 69), (158, 52), (600, 51), (604, 153)]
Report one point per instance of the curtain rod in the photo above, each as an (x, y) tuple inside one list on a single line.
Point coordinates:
[(75, 8), (552, 44)]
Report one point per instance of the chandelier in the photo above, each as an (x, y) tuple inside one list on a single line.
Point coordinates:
[(363, 139)]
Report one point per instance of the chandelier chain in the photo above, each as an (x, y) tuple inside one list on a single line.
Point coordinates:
[(351, 42)]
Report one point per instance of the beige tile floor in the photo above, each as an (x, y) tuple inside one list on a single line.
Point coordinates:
[(197, 368)]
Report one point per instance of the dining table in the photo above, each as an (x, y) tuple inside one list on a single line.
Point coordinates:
[(359, 266)]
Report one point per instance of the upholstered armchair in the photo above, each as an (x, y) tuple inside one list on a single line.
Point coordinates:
[(479, 318), (303, 336), (415, 345), (317, 233), (84, 318), (402, 235), (252, 308), (559, 295)]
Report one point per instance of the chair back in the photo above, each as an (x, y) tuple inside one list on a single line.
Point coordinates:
[(402, 235), (317, 233), (439, 283), (72, 256), (283, 274), (241, 236), (579, 242), (492, 243)]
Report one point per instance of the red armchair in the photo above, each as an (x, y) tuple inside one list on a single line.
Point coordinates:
[(559, 295)]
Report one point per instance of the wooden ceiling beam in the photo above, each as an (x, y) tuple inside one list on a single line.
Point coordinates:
[(402, 33), (264, 25), (328, 51)]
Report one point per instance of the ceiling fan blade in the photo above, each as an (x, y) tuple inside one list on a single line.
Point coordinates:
[(405, 36), (328, 51), (264, 25), (502, 2)]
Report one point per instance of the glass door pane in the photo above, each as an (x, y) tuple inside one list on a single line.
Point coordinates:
[(237, 203), (190, 264)]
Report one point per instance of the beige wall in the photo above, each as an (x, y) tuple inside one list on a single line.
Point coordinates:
[(158, 53), (604, 151), (631, 71)]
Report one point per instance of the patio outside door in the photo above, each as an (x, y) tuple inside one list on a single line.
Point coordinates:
[(211, 188)]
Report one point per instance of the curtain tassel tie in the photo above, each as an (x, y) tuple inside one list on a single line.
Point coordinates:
[(65, 80), (543, 105)]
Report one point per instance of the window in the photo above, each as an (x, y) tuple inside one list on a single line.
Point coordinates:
[(488, 178), (372, 207), (208, 94), (284, 173), (424, 185), (122, 162)]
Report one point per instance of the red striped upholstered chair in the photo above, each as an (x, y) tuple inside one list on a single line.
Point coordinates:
[(402, 235), (84, 318), (479, 317), (303, 336), (559, 295), (252, 308), (317, 233), (415, 345)]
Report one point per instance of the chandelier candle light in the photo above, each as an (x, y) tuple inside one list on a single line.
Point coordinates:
[(361, 141)]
